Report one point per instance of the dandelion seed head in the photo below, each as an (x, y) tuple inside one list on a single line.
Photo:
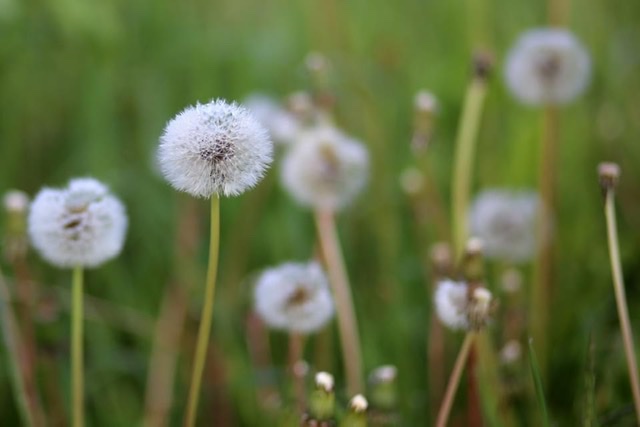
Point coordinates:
[(505, 223), (325, 168), (451, 304), (294, 297), (81, 225), (547, 66), (16, 201), (282, 125), (214, 148)]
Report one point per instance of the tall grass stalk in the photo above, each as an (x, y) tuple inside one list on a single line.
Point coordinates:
[(454, 380), (77, 350), (28, 408), (537, 382), (463, 162), (621, 299), (543, 273), (347, 325), (207, 315)]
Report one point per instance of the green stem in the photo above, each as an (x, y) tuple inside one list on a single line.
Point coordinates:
[(543, 273), (347, 325), (463, 163), (77, 358), (454, 380), (14, 346), (207, 315), (621, 299)]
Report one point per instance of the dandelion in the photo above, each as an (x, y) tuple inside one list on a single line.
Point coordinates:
[(325, 169), (451, 304), (505, 222), (547, 67), (15, 201), (207, 151), (294, 297), (80, 226), (282, 125), (215, 148), (321, 401)]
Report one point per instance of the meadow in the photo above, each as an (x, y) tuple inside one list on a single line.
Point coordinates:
[(86, 89)]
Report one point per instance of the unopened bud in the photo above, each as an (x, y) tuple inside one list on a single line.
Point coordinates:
[(482, 65), (608, 173)]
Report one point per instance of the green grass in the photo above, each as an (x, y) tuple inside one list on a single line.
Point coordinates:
[(85, 89)]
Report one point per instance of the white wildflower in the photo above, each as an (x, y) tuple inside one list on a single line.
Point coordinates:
[(547, 66), (325, 168), (383, 374), (324, 381), (451, 304), (282, 125), (16, 201), (505, 222), (358, 404), (511, 352), (81, 225), (214, 148), (294, 297)]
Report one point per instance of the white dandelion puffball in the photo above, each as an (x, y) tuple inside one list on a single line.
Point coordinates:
[(282, 125), (451, 301), (214, 148), (325, 168), (81, 225), (15, 201), (294, 297), (505, 221), (547, 66)]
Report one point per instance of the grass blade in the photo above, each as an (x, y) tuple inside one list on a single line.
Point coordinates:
[(537, 381)]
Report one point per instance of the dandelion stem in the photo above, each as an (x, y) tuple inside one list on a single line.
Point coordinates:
[(463, 163), (454, 380), (296, 349), (77, 357), (349, 337), (207, 315), (621, 299), (14, 348), (540, 300)]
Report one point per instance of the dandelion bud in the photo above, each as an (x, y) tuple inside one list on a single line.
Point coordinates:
[(547, 66), (482, 65), (383, 387), (505, 222), (322, 399), (358, 403), (325, 169), (356, 415), (609, 173), (294, 297), (16, 201), (215, 148), (81, 225)]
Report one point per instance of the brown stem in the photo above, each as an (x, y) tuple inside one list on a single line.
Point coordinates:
[(454, 380), (349, 337)]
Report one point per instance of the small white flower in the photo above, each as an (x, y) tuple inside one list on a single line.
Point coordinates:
[(16, 201), (325, 168), (294, 297), (383, 374), (215, 148), (451, 304), (282, 125), (81, 225), (505, 222), (511, 352), (358, 404), (547, 66)]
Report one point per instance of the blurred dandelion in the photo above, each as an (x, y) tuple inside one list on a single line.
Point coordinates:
[(282, 125), (547, 66), (505, 221)]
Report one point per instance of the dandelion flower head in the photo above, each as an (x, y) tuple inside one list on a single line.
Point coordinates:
[(451, 304), (294, 297), (505, 222), (547, 66), (81, 225), (214, 148), (325, 168)]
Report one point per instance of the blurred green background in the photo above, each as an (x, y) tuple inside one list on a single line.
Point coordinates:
[(87, 86)]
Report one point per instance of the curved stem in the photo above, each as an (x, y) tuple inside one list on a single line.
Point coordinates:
[(347, 325), (454, 380), (77, 356), (621, 299), (463, 163), (207, 315)]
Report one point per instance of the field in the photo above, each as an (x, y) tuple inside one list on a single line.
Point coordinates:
[(86, 89)]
